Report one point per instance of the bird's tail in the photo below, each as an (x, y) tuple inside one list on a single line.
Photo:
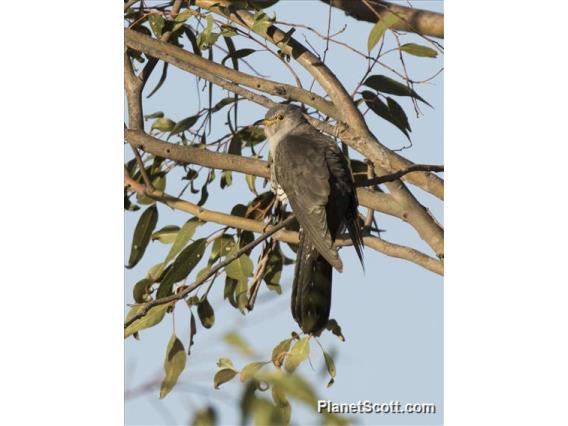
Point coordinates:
[(311, 290)]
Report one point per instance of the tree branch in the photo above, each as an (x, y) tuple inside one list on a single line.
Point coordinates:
[(397, 175), (412, 20), (362, 139), (250, 166), (385, 247), (188, 61), (212, 271), (211, 71)]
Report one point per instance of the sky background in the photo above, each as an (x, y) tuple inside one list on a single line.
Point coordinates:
[(391, 314)]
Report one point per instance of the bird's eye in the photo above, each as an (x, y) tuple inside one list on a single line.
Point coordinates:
[(280, 117)]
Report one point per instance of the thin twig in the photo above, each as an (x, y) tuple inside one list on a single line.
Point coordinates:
[(397, 175), (214, 270)]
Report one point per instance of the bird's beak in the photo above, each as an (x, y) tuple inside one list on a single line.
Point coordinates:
[(266, 122)]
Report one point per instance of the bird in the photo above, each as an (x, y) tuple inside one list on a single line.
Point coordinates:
[(311, 173)]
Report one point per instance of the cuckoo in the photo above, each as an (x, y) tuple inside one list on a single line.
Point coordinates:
[(310, 172)]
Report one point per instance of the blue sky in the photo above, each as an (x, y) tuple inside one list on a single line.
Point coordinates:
[(391, 315)]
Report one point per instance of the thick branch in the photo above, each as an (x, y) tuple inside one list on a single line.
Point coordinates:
[(238, 222), (362, 139), (250, 166), (211, 72), (413, 20), (188, 61)]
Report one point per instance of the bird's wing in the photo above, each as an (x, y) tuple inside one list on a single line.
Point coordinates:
[(301, 170)]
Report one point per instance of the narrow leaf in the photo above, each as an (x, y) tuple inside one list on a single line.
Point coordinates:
[(235, 340), (385, 84), (173, 365), (142, 233), (206, 313), (378, 30), (279, 352), (160, 81), (419, 50), (297, 354), (182, 266), (166, 235), (250, 370), (153, 317), (141, 290), (163, 124), (182, 237), (238, 54), (223, 376), (157, 23), (184, 124), (329, 364), (157, 114)]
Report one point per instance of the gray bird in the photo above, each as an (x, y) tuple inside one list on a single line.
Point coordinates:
[(311, 172)]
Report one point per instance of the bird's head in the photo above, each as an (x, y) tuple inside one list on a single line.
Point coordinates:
[(282, 117)]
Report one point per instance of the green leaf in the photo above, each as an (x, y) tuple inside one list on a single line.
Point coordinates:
[(141, 290), (298, 354), (158, 114), (241, 293), (419, 50), (206, 313), (155, 272), (250, 182), (159, 183), (192, 332), (223, 376), (185, 15), (157, 23), (142, 232), (184, 124), (183, 236), (239, 54), (329, 364), (379, 29), (206, 417), (182, 266), (222, 246), (281, 401), (173, 365), (400, 119), (240, 268), (250, 370), (222, 103), (279, 352), (163, 124), (261, 22), (234, 339), (225, 363), (226, 179), (207, 38), (384, 84), (166, 235), (153, 317), (298, 388), (163, 77), (387, 112)]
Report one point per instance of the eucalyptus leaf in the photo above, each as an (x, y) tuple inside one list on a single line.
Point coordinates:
[(223, 376), (183, 236), (182, 266), (152, 317), (250, 370), (142, 232), (378, 30), (419, 50), (166, 235), (385, 84), (157, 23), (163, 124), (298, 354), (206, 313), (174, 364), (279, 352)]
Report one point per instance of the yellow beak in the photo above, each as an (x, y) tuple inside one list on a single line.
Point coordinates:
[(268, 121)]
